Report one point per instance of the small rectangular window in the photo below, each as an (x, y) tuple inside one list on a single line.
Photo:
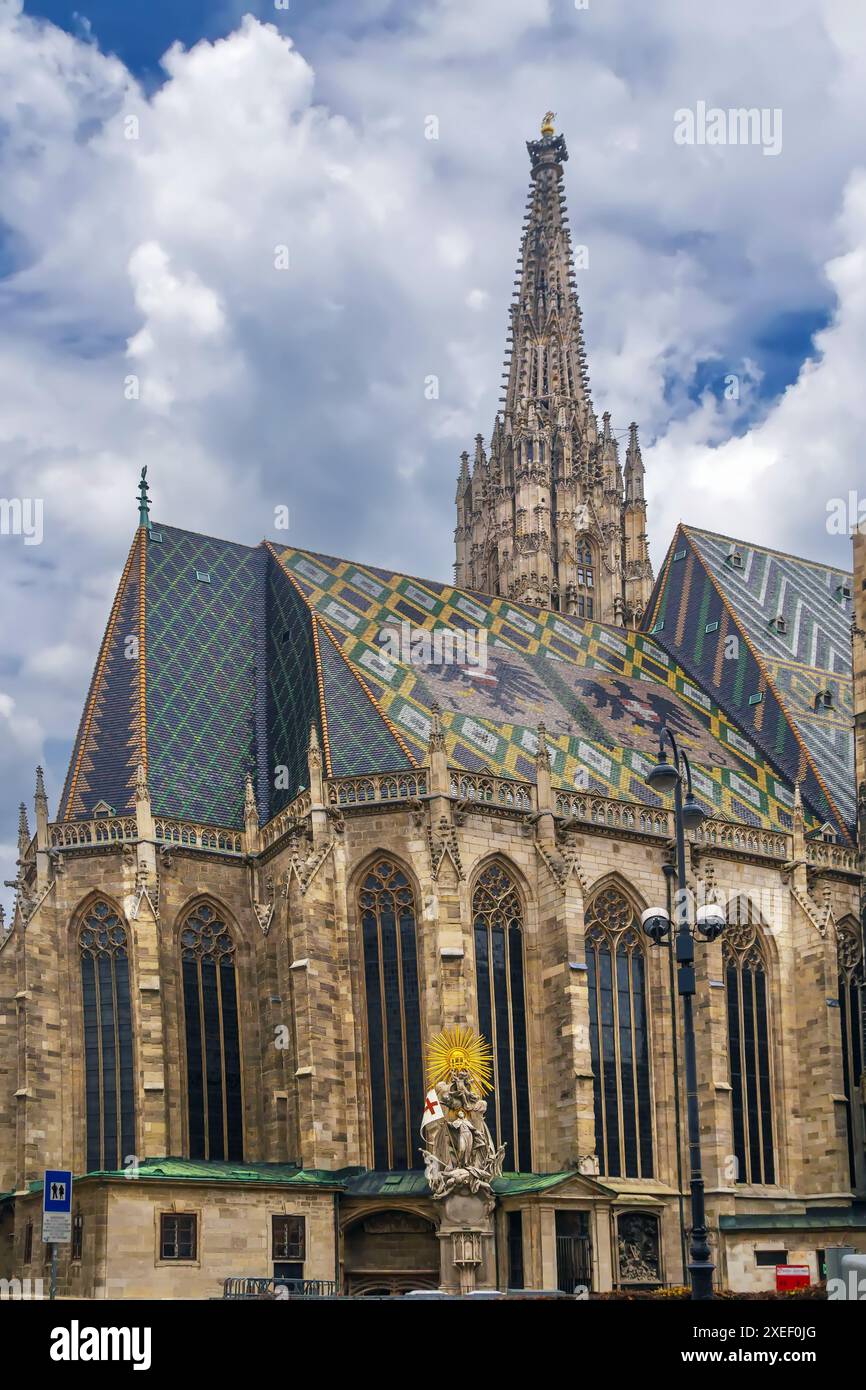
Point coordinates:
[(156, 537), (289, 1238), (202, 576), (679, 554), (177, 1236), (658, 627), (756, 698), (28, 1242), (589, 607), (77, 1235), (711, 627), (768, 1259)]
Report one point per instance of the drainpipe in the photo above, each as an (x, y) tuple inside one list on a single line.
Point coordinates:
[(669, 871), (338, 1283)]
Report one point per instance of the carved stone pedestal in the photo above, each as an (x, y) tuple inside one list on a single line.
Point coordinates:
[(466, 1248)]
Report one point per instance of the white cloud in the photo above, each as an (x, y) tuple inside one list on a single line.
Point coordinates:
[(157, 256)]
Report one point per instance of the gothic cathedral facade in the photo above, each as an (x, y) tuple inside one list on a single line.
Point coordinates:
[(288, 853)]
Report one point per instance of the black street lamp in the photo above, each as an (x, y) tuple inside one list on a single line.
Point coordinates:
[(666, 777)]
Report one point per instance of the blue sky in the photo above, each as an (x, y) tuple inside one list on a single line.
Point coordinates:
[(155, 157)]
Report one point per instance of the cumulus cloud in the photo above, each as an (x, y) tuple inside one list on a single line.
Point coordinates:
[(310, 218)]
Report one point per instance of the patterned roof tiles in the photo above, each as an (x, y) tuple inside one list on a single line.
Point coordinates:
[(246, 647), (716, 608)]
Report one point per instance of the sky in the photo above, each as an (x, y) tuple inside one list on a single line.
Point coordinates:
[(230, 250)]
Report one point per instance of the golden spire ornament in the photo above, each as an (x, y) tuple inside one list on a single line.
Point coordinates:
[(547, 126), (460, 1050)]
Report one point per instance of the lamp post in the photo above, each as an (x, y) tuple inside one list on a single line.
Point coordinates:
[(667, 777)]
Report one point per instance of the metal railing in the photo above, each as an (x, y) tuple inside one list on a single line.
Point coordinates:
[(279, 1289)]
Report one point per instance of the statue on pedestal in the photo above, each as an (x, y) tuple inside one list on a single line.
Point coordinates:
[(459, 1151)]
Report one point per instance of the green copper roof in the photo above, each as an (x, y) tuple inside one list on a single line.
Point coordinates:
[(200, 1170), (851, 1218)]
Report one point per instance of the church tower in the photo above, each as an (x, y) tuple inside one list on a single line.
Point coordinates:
[(549, 516)]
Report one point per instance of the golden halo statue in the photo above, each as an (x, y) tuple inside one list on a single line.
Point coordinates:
[(460, 1051)]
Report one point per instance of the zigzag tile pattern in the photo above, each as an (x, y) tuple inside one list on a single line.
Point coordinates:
[(699, 615), (601, 692)]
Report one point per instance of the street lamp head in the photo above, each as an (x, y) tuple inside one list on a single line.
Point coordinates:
[(656, 923), (663, 777), (693, 814), (711, 921)]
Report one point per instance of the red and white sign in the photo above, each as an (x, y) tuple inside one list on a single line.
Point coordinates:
[(792, 1277)]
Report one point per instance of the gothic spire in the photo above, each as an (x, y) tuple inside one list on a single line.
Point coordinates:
[(545, 361), (23, 831), (143, 502), (634, 469)]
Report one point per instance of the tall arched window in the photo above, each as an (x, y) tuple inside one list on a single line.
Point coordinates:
[(108, 1062), (213, 1052), (585, 580), (618, 1037), (387, 906), (851, 1011), (498, 921), (749, 1045)]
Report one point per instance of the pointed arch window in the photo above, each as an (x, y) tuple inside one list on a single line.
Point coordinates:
[(749, 1046), (585, 589), (108, 1060), (387, 909), (213, 1054), (852, 1011), (497, 916), (618, 1037)]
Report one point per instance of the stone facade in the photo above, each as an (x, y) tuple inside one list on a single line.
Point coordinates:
[(290, 895), (550, 517)]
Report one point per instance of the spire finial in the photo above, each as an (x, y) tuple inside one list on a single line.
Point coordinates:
[(547, 126), (542, 757), (142, 791), (436, 741), (40, 784), (143, 503), (23, 831)]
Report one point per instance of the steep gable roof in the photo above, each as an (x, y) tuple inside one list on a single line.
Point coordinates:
[(716, 608)]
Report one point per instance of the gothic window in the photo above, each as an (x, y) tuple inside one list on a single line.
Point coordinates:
[(851, 1011), (749, 1046), (585, 587), (498, 921), (213, 1053), (108, 1064), (387, 905), (618, 1037)]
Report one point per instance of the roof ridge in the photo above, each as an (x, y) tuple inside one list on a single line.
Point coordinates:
[(70, 787), (759, 661), (765, 549)]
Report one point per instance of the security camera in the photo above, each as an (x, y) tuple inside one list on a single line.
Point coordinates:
[(656, 922), (711, 921)]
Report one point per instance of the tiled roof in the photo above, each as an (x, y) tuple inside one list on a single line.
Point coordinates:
[(601, 692), (715, 609), (244, 648)]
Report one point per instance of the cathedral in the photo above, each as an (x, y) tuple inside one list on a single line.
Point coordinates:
[(318, 814)]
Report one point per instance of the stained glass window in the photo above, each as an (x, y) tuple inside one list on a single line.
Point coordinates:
[(108, 1063), (387, 905), (213, 1053), (618, 1037), (749, 1045), (498, 920)]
